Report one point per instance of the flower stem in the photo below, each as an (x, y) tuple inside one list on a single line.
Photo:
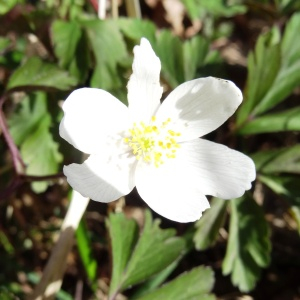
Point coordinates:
[(51, 280), (18, 163)]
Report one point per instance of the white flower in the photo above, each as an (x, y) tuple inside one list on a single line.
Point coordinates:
[(156, 147)]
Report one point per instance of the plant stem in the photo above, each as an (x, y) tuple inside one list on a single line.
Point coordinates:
[(133, 9), (18, 163), (53, 273), (41, 178)]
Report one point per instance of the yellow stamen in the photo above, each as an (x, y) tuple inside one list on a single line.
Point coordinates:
[(154, 142)]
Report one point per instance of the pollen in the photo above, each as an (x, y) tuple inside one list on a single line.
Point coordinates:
[(154, 142)]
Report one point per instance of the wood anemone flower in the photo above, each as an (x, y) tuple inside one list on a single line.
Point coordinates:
[(153, 146)]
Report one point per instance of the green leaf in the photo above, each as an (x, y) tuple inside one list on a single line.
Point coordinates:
[(260, 75), (40, 154), (249, 247), (198, 9), (71, 48), (287, 186), (183, 61), (282, 121), (5, 294), (6, 244), (69, 9), (63, 295), (30, 130), (84, 247), (295, 212), (155, 281), (135, 29), (4, 43), (109, 51), (180, 60), (66, 36), (291, 47), (159, 278), (192, 285), (154, 251), (192, 8), (36, 74), (123, 233), (7, 5), (25, 121), (11, 54), (288, 6), (207, 228), (289, 75), (195, 52), (285, 160), (169, 49)]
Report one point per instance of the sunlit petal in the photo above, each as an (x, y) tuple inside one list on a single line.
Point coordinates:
[(170, 191), (144, 90), (92, 118), (200, 106), (216, 169), (103, 178)]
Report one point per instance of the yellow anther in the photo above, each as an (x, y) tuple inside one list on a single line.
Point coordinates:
[(171, 132), (153, 143)]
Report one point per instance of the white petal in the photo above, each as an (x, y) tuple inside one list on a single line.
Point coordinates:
[(200, 106), (169, 192), (103, 178), (216, 169), (144, 90), (92, 118)]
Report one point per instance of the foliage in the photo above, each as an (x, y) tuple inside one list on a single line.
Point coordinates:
[(136, 260), (207, 228), (49, 48), (248, 245)]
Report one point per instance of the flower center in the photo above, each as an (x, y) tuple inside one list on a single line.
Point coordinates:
[(153, 143)]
